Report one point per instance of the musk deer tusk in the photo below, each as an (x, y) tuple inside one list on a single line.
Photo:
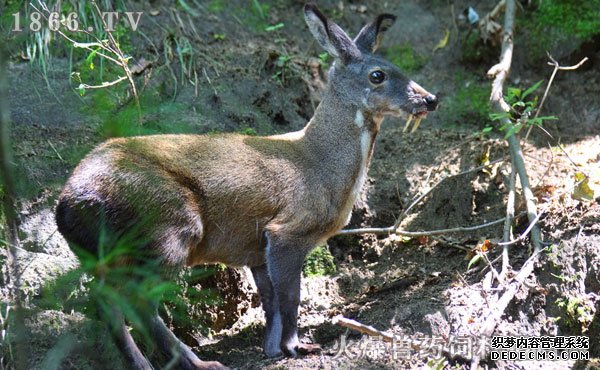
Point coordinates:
[(408, 121), (417, 123)]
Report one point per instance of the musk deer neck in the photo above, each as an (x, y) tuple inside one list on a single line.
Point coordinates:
[(340, 137), (337, 131)]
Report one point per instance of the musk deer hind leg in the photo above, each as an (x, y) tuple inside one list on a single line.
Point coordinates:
[(171, 346), (125, 343), (285, 258), (168, 344)]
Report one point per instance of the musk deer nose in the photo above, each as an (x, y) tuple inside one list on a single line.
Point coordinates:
[(431, 101)]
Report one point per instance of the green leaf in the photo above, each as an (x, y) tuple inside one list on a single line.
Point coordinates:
[(274, 27), (258, 8), (487, 129), (188, 8), (548, 118), (514, 92), (91, 55), (475, 260), (498, 116), (531, 89), (513, 130)]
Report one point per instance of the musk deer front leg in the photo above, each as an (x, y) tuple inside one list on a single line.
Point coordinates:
[(270, 304), (284, 265)]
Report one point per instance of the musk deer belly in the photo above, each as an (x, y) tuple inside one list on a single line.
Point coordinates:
[(235, 244)]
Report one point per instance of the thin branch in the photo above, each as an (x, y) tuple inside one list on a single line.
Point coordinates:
[(527, 192), (55, 151), (392, 230), (566, 68), (499, 307), (111, 47), (104, 84), (428, 191), (497, 9), (123, 62), (540, 213), (500, 72), (557, 67), (510, 215)]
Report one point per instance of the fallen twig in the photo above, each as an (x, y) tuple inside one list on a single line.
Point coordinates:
[(498, 308), (362, 328), (415, 344)]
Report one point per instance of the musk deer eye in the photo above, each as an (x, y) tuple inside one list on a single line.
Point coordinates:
[(376, 77)]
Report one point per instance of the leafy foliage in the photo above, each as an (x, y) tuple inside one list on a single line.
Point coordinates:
[(579, 18), (468, 104), (556, 22), (319, 262), (522, 113), (405, 57), (578, 310)]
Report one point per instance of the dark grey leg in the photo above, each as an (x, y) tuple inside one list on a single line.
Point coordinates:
[(171, 346), (133, 356), (270, 304), (284, 263)]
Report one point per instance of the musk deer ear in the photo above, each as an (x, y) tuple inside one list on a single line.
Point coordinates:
[(370, 36), (330, 36)]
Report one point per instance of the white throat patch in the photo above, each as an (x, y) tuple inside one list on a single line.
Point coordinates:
[(359, 120), (365, 148)]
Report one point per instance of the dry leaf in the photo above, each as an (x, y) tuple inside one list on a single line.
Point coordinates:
[(485, 246), (140, 65), (582, 191), (443, 42), (543, 192)]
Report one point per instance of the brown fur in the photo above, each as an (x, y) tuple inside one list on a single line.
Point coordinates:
[(224, 191)]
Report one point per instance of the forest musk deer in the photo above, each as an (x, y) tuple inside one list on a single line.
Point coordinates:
[(262, 202)]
